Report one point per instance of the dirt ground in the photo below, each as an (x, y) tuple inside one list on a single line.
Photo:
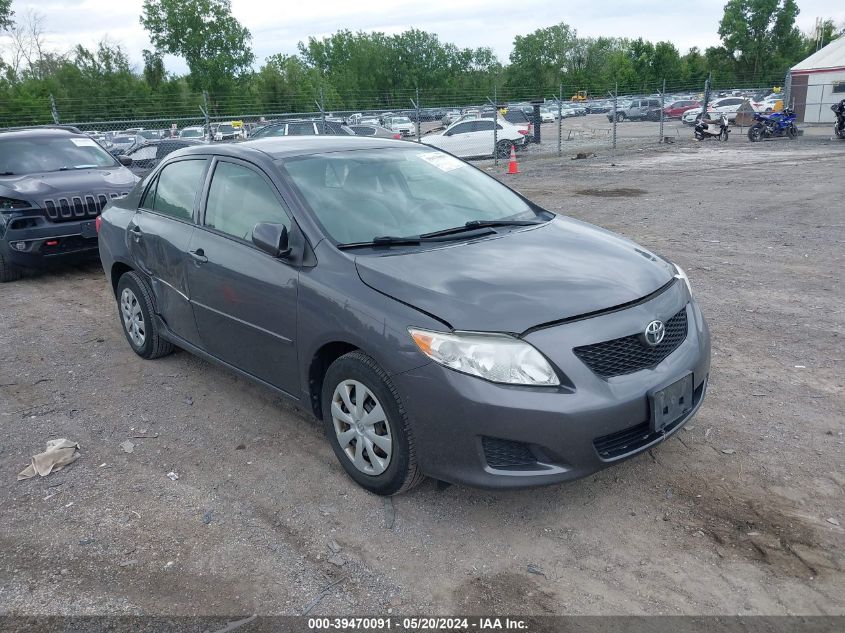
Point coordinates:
[(741, 513)]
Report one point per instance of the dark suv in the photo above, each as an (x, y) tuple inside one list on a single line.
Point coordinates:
[(53, 185)]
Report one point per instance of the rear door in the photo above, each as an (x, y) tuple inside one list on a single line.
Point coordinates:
[(159, 235), (244, 300)]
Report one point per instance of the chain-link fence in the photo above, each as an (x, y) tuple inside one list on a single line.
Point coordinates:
[(496, 126)]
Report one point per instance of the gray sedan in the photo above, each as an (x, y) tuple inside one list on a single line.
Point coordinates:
[(437, 322)]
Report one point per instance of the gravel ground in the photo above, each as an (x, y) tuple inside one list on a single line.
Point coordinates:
[(741, 513)]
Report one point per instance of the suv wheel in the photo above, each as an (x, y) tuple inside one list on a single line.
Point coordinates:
[(135, 308), (620, 117), (367, 426), (8, 272)]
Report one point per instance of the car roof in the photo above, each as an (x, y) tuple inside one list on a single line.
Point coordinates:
[(48, 132), (287, 146)]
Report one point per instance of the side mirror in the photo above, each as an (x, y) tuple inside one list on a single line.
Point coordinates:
[(124, 160), (272, 239)]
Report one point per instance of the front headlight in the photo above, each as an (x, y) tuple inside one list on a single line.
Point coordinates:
[(680, 274), (494, 357)]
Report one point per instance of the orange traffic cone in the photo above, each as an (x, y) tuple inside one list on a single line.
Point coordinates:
[(513, 166)]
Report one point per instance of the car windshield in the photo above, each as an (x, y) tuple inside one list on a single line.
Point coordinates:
[(123, 139), (191, 133), (225, 129), (33, 155), (149, 134), (401, 119), (360, 195)]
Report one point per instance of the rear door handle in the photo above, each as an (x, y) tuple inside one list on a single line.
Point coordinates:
[(199, 256)]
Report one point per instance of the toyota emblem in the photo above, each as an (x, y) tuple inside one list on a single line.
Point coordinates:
[(654, 333)]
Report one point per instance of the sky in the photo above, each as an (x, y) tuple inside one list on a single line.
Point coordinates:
[(277, 27)]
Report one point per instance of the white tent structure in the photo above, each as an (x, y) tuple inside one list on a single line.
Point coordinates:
[(818, 82)]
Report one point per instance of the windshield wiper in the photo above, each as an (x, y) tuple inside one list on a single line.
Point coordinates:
[(481, 224), (385, 240)]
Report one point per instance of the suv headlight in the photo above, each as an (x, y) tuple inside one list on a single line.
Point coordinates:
[(680, 274), (12, 204), (494, 357)]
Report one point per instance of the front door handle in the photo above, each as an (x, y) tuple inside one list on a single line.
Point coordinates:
[(136, 232), (199, 256)]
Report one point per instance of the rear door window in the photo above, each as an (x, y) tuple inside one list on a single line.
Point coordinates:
[(175, 190)]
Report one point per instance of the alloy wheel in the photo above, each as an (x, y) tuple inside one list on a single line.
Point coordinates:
[(362, 428), (133, 317)]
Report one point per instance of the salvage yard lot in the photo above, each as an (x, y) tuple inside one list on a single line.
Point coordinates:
[(741, 512)]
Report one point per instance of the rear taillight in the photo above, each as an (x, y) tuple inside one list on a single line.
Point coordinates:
[(524, 132), (98, 223)]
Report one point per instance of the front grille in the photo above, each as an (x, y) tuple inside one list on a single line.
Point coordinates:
[(65, 209), (507, 454), (629, 354), (633, 438)]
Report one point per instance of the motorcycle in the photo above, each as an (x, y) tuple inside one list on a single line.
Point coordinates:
[(712, 128), (839, 126), (772, 125)]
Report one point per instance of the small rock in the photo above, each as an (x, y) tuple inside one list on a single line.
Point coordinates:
[(690, 428), (169, 564), (832, 521), (173, 476), (240, 447), (535, 569), (65, 572), (334, 546), (127, 446), (189, 401), (337, 559), (699, 533), (86, 541), (128, 563), (206, 518), (728, 451)]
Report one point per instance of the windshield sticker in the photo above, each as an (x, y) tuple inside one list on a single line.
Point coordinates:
[(443, 162), (84, 142)]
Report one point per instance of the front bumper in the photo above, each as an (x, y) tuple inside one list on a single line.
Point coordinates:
[(466, 428), (37, 246)]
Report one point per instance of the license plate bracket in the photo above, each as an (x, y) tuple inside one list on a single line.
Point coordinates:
[(670, 403), (87, 229)]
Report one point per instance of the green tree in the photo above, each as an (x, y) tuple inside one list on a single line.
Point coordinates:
[(204, 32), (6, 14), (154, 73), (542, 59), (761, 36)]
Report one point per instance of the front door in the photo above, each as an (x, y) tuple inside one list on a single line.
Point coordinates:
[(244, 300), (159, 235)]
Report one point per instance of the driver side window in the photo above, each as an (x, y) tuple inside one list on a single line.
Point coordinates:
[(238, 199)]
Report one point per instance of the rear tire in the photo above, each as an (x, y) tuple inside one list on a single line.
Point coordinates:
[(357, 379), (136, 311), (8, 272), (503, 149), (620, 117), (755, 133)]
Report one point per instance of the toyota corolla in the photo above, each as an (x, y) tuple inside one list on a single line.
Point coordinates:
[(437, 322)]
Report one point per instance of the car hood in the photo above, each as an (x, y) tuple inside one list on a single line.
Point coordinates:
[(517, 280), (61, 182)]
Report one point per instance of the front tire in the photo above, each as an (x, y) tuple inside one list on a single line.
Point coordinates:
[(755, 133), (723, 135), (620, 117), (8, 272), (791, 132), (368, 427), (136, 309)]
